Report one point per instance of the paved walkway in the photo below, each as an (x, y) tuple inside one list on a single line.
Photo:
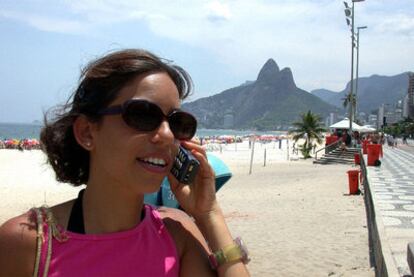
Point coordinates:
[(392, 186)]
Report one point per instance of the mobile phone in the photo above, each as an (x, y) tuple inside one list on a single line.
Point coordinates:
[(185, 166)]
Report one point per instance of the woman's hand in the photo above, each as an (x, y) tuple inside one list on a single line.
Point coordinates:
[(198, 198)]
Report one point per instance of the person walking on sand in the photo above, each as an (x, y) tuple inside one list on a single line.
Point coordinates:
[(390, 141), (404, 140), (118, 135)]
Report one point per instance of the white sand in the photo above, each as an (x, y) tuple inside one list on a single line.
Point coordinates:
[(295, 217)]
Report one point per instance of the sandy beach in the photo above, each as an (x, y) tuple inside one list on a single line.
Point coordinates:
[(296, 218)]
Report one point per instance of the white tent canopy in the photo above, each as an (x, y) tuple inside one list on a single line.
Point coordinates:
[(367, 129), (344, 124)]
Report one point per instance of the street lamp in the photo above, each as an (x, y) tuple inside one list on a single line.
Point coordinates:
[(349, 13), (357, 65)]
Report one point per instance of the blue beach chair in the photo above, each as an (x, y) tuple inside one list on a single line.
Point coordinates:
[(165, 197)]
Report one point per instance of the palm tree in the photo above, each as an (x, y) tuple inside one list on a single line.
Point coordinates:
[(310, 128), (348, 99)]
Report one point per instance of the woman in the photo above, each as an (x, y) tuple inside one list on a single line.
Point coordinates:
[(119, 136)]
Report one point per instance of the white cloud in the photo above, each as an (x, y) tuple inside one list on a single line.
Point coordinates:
[(309, 36), (49, 24), (218, 11), (398, 23)]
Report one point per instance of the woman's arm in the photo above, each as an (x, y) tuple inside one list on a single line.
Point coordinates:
[(199, 200), (214, 229), (191, 245), (18, 246)]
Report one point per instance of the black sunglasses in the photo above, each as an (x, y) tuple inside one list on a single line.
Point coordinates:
[(145, 116)]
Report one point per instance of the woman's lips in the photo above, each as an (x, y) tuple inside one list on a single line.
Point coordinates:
[(154, 165)]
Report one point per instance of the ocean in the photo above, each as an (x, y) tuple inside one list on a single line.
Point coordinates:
[(24, 130), (19, 130)]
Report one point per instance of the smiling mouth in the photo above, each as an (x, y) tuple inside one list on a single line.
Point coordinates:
[(154, 162)]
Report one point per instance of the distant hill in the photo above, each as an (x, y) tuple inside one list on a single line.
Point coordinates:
[(372, 92), (271, 102), (325, 95)]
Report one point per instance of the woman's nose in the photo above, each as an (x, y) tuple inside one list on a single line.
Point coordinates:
[(163, 134)]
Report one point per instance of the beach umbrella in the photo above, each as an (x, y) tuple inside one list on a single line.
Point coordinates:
[(344, 124), (165, 197)]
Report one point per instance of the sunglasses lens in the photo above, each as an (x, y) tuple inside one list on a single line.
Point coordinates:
[(183, 125), (143, 115)]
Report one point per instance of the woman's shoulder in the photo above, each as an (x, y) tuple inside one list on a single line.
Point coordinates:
[(18, 245), (174, 214), (177, 220), (61, 212), (181, 227), (19, 230), (18, 239), (23, 224)]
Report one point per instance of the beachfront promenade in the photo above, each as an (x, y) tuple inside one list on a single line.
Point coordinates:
[(390, 205)]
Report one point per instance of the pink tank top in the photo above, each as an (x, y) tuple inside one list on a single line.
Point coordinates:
[(146, 250)]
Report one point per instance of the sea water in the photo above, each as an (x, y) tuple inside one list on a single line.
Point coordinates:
[(26, 130), (19, 130)]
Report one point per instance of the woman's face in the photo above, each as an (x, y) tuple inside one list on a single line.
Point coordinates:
[(132, 159)]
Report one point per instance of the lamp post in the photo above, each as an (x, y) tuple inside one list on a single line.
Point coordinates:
[(349, 13), (357, 65)]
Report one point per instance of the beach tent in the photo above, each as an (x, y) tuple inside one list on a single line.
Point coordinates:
[(344, 124), (165, 197), (367, 129)]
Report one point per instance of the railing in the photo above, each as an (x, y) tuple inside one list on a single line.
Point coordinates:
[(328, 148)]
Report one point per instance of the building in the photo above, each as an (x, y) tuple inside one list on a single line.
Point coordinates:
[(362, 118), (398, 111), (331, 119), (389, 114), (411, 95), (372, 120), (381, 117), (406, 107)]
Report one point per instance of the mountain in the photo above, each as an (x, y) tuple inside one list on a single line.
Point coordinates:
[(325, 95), (271, 102), (372, 92)]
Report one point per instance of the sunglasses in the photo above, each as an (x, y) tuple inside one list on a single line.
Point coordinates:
[(145, 116)]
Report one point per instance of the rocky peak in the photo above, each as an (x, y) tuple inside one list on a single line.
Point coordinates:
[(286, 77), (269, 71)]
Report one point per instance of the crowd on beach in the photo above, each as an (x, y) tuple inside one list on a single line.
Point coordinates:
[(31, 143), (20, 144), (342, 139), (213, 142), (228, 139), (373, 137)]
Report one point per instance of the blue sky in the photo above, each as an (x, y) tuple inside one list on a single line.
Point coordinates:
[(44, 44)]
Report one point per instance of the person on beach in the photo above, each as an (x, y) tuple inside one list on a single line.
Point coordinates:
[(404, 140), (118, 135), (391, 141)]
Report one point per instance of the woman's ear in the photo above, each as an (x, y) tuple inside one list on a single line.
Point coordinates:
[(83, 132)]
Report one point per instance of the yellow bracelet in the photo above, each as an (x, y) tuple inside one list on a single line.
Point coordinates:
[(236, 251)]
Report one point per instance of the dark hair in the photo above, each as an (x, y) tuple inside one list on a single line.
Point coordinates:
[(99, 84)]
